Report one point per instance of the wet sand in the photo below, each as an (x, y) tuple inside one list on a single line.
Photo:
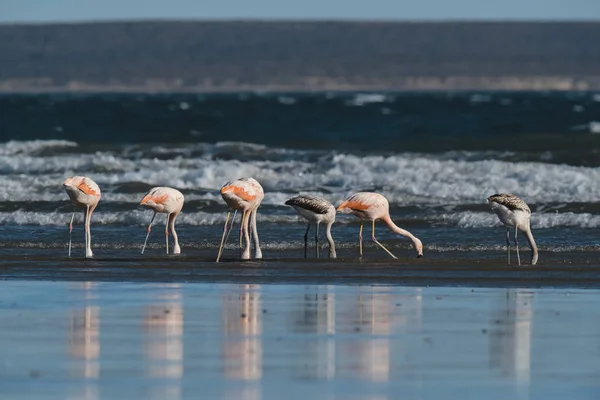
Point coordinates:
[(123, 340), (560, 269)]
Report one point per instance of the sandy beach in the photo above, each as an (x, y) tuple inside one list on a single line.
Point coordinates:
[(476, 269)]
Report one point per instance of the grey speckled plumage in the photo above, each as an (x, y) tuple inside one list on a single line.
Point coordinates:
[(510, 201), (309, 202), (515, 214)]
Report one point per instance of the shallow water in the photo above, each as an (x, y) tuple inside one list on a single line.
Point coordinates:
[(90, 340)]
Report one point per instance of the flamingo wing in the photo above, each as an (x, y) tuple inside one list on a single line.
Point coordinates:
[(312, 203)]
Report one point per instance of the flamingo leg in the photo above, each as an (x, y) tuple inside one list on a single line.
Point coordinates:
[(71, 230), (508, 245), (517, 245), (223, 237), (242, 228), (380, 245), (148, 232), (360, 240), (306, 240), (167, 232), (317, 239), (230, 226)]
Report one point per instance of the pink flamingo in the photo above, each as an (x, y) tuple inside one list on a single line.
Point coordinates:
[(83, 192), (245, 195), (168, 201), (369, 206)]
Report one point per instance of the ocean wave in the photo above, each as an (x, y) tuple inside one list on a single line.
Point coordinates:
[(32, 147), (133, 218), (538, 220), (293, 248), (287, 100), (360, 99), (501, 249), (407, 178), (141, 217)]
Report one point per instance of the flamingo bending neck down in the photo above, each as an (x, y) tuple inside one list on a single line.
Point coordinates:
[(85, 193), (514, 213), (245, 195), (168, 201), (368, 206), (317, 210)]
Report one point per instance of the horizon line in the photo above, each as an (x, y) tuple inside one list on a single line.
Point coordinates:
[(299, 20)]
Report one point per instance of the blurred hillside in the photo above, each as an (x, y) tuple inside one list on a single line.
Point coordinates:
[(155, 56)]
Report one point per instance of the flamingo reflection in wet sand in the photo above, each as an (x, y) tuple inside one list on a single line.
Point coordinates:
[(245, 195), (368, 206), (514, 213), (168, 201), (84, 193), (316, 210)]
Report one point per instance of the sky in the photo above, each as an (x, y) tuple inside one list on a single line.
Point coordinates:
[(40, 11)]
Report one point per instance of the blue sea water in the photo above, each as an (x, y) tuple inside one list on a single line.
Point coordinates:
[(436, 156)]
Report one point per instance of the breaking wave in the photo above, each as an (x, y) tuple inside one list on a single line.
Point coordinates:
[(200, 171)]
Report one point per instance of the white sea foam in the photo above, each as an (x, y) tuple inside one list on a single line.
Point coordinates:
[(15, 147), (361, 99), (451, 178), (132, 218), (480, 98), (287, 100), (140, 217), (469, 219), (594, 127)]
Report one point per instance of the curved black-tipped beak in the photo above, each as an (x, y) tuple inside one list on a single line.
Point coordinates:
[(419, 255)]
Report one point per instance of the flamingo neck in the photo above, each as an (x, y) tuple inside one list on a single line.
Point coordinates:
[(332, 253), (246, 235), (176, 248), (534, 249), (396, 229), (88, 234), (257, 250)]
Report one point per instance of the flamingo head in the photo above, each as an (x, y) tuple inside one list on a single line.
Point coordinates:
[(418, 247)]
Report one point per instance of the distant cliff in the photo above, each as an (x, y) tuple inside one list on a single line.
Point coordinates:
[(189, 56)]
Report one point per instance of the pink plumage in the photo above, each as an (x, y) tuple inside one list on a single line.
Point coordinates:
[(369, 206)]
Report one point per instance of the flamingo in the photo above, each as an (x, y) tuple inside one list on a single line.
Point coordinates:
[(514, 213), (315, 209), (368, 206), (168, 201), (245, 195), (83, 192)]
